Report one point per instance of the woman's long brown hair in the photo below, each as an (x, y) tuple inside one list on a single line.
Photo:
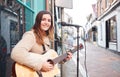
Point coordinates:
[(39, 34)]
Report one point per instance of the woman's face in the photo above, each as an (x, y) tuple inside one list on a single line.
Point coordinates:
[(45, 22)]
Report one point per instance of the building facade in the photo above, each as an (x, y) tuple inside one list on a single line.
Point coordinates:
[(16, 17), (109, 24), (103, 26), (9, 31)]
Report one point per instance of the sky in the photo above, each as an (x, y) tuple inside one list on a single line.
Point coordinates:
[(81, 9)]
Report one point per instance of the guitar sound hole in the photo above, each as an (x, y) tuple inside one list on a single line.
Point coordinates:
[(50, 61)]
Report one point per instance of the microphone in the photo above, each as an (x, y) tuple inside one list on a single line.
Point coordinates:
[(67, 24)]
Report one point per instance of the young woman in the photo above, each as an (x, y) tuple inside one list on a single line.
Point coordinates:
[(33, 50)]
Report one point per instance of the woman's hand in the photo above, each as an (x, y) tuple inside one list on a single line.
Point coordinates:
[(47, 66)]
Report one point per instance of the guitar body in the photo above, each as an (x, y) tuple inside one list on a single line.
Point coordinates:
[(24, 71), (51, 73)]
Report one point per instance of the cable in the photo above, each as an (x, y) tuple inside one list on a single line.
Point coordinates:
[(85, 60)]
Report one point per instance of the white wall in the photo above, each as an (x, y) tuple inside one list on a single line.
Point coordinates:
[(118, 28), (101, 34)]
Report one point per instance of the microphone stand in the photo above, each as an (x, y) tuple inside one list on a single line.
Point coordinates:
[(77, 27)]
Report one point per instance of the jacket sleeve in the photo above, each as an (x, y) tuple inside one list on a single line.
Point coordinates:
[(20, 53)]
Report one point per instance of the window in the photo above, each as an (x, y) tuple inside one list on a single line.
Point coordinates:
[(107, 3), (14, 35), (113, 29), (101, 7)]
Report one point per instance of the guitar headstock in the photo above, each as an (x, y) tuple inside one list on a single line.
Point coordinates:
[(75, 48), (80, 46)]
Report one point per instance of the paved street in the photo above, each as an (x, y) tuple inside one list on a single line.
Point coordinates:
[(100, 63)]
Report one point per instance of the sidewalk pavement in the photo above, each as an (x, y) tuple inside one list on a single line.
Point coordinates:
[(100, 62)]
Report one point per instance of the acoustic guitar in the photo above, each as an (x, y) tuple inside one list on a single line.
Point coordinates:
[(24, 71)]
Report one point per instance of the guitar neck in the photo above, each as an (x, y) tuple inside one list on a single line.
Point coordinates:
[(60, 58)]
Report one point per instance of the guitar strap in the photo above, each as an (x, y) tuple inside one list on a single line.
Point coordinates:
[(39, 73), (43, 49)]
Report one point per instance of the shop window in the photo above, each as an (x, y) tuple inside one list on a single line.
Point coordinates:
[(113, 29)]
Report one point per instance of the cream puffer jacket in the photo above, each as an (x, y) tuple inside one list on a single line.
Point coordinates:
[(28, 52)]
